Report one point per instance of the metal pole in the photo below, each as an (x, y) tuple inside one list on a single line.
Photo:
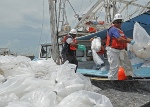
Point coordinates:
[(53, 29)]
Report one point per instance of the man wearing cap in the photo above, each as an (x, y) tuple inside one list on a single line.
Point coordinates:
[(116, 45), (69, 49)]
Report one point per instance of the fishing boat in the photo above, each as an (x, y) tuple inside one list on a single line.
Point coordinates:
[(88, 26), (6, 51), (127, 27)]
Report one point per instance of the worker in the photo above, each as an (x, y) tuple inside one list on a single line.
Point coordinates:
[(100, 53), (43, 52), (116, 45), (64, 38), (69, 48)]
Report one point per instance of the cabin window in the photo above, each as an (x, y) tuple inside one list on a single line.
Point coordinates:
[(45, 52), (79, 53)]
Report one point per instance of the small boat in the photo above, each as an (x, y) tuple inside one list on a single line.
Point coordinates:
[(6, 51)]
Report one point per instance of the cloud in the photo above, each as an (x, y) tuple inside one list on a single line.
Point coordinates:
[(21, 24), (11, 44)]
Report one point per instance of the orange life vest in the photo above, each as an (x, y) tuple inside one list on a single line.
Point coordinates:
[(65, 38), (114, 43), (72, 47)]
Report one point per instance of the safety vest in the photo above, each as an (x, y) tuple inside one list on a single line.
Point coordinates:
[(67, 48), (114, 43), (72, 47), (65, 38), (74, 40)]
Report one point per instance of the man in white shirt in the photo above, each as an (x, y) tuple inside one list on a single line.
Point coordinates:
[(69, 49)]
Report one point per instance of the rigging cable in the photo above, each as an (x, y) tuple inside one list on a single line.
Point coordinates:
[(88, 5), (82, 12), (72, 7), (41, 28), (42, 23)]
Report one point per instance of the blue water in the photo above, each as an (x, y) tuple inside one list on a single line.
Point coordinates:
[(139, 72)]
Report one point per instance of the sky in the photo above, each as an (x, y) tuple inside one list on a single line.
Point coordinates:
[(21, 23), (24, 24)]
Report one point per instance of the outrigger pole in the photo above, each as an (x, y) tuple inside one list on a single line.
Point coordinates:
[(54, 31)]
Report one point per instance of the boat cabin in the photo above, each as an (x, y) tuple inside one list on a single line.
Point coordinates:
[(45, 50), (84, 57)]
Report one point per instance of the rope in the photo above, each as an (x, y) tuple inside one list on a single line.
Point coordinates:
[(42, 23), (72, 7), (41, 29), (88, 5), (73, 22)]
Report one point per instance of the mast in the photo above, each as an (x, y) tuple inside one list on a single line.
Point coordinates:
[(54, 30), (109, 9)]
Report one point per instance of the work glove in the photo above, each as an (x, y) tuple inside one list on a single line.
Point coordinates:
[(132, 42), (81, 47)]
